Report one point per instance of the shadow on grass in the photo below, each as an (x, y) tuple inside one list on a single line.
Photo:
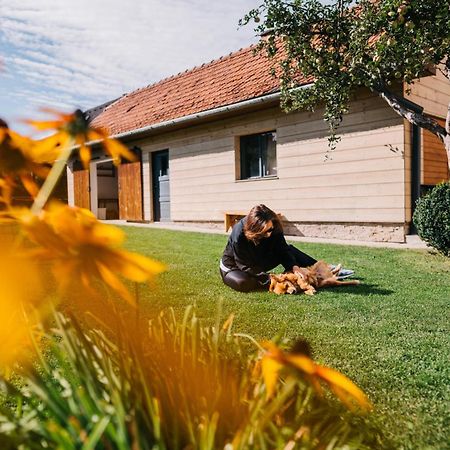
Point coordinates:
[(363, 289)]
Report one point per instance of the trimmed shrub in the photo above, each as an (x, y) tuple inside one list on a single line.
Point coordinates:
[(432, 218)]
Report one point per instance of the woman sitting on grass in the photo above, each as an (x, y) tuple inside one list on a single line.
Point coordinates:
[(257, 245)]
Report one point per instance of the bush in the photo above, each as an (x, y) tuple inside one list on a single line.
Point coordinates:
[(432, 218)]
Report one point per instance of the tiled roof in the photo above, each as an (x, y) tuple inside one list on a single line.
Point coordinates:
[(92, 113), (237, 77)]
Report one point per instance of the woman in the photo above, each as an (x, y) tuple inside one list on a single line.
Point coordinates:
[(255, 246)]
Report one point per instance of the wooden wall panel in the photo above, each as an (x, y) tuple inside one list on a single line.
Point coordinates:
[(433, 93), (81, 189), (130, 191), (434, 158)]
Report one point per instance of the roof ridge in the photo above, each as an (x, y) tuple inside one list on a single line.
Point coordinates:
[(188, 71), (230, 79)]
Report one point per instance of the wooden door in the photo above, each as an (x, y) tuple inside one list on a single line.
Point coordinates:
[(81, 189), (130, 191)]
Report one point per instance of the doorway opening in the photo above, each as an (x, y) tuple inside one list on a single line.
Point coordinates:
[(107, 191)]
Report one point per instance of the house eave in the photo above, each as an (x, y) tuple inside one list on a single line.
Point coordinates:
[(209, 114)]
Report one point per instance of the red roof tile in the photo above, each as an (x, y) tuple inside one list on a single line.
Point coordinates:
[(237, 77)]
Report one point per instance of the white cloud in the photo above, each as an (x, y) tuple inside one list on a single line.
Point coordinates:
[(85, 52)]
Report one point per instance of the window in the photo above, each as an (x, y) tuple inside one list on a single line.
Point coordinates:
[(258, 155)]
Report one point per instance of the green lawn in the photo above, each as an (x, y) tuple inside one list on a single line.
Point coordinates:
[(390, 334)]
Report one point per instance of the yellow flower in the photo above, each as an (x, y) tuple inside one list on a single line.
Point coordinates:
[(75, 126), (20, 309), (21, 158), (275, 359), (82, 248)]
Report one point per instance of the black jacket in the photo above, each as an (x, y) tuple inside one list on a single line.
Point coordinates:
[(256, 259)]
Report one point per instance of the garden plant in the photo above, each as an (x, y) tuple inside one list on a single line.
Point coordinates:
[(432, 218)]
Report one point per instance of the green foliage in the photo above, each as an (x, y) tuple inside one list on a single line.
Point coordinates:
[(432, 218), (178, 385), (350, 44)]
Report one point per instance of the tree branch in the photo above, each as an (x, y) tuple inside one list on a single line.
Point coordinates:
[(406, 109)]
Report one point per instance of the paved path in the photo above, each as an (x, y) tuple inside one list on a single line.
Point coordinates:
[(412, 241)]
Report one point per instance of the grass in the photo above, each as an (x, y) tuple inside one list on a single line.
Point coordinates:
[(390, 334)]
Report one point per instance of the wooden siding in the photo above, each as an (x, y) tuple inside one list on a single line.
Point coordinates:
[(130, 191), (81, 189), (434, 158), (433, 93), (363, 180)]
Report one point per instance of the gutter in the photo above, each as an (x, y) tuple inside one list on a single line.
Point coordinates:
[(198, 116), (202, 115)]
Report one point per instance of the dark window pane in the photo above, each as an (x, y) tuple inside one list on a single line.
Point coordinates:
[(258, 155), (250, 157), (164, 164), (269, 155)]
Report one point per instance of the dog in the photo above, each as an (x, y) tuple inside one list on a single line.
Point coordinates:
[(307, 280)]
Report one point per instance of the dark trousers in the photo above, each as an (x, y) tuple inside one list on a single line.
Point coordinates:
[(243, 282)]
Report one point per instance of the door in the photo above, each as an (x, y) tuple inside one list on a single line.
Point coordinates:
[(130, 191), (160, 186), (81, 189)]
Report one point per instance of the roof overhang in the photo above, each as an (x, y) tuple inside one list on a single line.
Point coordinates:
[(267, 100), (210, 114)]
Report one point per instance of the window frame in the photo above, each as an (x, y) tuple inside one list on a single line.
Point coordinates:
[(262, 160)]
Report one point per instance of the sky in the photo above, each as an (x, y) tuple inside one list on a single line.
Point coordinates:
[(68, 54)]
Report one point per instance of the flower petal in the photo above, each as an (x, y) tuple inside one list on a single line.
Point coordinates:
[(270, 370), (339, 383), (85, 155), (110, 279), (30, 185), (47, 150), (45, 124), (118, 151), (138, 267), (301, 362)]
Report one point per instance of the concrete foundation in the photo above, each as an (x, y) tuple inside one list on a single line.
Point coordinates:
[(345, 231), (349, 231)]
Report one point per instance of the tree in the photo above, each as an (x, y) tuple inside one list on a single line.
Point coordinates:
[(380, 44)]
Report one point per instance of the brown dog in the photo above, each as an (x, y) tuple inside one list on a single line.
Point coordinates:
[(307, 280)]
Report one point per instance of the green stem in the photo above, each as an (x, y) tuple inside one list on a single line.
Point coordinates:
[(247, 336), (52, 178)]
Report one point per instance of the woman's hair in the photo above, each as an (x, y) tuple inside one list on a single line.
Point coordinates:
[(256, 221)]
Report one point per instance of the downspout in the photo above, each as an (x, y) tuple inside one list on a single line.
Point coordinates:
[(415, 172)]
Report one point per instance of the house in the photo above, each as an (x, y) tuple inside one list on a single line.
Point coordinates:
[(213, 140)]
